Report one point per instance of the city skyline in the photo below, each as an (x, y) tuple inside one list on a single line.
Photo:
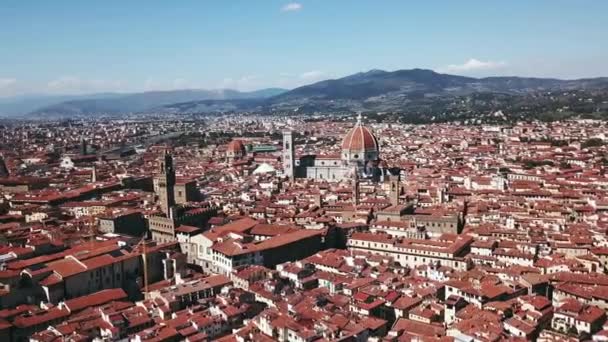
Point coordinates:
[(303, 171)]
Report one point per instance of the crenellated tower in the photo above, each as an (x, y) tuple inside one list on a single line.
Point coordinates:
[(166, 184)]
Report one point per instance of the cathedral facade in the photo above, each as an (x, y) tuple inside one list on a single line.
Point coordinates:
[(360, 156)]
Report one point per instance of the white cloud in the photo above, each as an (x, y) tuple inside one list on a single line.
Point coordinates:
[(312, 75), (244, 83), (152, 84), (293, 80), (77, 85), (8, 87), (64, 83), (473, 65), (7, 82), (181, 83), (292, 7)]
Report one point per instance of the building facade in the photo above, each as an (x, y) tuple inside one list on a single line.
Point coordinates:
[(360, 154)]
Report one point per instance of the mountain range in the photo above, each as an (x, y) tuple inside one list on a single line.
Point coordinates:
[(417, 91), (45, 106), (374, 90)]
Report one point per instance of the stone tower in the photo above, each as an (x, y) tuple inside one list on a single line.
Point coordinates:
[(395, 189), (166, 184), (3, 169), (288, 155), (83, 146)]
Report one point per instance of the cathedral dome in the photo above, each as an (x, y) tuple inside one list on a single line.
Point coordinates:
[(359, 140)]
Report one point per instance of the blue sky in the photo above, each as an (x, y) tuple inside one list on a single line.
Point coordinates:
[(75, 46)]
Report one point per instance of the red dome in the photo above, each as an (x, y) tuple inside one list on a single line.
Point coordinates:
[(236, 147), (360, 139)]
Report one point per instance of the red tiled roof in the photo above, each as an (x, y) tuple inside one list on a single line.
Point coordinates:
[(360, 139), (98, 298), (236, 146), (420, 329), (31, 319), (67, 267)]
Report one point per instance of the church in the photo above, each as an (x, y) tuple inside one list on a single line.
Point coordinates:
[(360, 157)]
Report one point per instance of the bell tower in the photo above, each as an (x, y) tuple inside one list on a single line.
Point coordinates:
[(4, 173), (83, 146), (288, 155), (395, 189), (166, 184)]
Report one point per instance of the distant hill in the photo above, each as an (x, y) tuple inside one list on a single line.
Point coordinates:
[(419, 82), (19, 105), (138, 102), (419, 93), (400, 90)]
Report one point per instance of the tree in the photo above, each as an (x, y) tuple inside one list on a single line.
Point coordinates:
[(593, 142)]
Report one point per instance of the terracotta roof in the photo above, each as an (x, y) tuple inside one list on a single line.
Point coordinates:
[(236, 146), (40, 317), (67, 267), (415, 328), (359, 139), (98, 298)]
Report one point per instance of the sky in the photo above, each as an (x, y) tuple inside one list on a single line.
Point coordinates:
[(79, 47)]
